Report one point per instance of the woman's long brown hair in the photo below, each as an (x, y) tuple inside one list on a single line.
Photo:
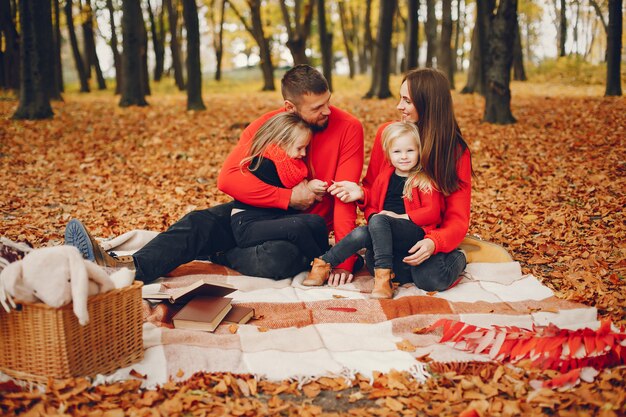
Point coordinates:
[(442, 143)]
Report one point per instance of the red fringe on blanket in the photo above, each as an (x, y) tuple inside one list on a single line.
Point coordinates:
[(548, 347)]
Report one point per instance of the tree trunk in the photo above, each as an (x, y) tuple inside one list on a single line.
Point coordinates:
[(519, 74), (143, 52), (614, 49), (366, 57), (58, 66), (457, 35), (117, 61), (444, 62), (80, 67), (255, 28), (157, 45), (36, 37), (218, 39), (11, 56), (298, 31), (380, 83), (172, 15), (326, 44), (412, 37), (91, 57), (194, 70), (348, 37), (132, 80), (431, 32), (562, 29), (474, 76), (500, 36)]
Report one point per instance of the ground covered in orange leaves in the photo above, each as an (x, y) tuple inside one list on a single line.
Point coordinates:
[(551, 188)]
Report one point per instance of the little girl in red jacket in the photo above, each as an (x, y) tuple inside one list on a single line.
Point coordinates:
[(276, 158), (401, 206)]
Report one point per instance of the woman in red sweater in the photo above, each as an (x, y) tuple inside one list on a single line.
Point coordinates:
[(401, 205), (434, 262)]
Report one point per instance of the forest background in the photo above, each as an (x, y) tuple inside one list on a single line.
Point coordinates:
[(125, 144)]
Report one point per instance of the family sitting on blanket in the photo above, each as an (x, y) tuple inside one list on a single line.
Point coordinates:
[(260, 173)]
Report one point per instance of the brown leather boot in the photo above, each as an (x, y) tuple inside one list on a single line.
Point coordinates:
[(320, 271), (77, 235), (382, 283)]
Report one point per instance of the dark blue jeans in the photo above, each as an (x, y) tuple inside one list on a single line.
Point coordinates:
[(388, 241), (308, 232), (206, 234)]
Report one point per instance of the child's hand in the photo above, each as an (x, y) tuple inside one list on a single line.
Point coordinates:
[(318, 186), (346, 191)]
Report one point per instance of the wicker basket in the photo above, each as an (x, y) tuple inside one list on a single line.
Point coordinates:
[(39, 342)]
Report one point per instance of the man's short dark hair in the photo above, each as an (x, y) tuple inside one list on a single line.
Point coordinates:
[(300, 80)]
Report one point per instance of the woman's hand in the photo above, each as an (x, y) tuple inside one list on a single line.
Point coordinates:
[(394, 215), (421, 251), (346, 191)]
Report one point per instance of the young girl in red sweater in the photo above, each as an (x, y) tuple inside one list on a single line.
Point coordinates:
[(276, 157), (401, 206)]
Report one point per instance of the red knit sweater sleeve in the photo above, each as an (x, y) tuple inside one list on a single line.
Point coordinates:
[(425, 209), (456, 215), (291, 171), (241, 184)]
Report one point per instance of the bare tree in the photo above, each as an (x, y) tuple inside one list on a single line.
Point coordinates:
[(614, 49), (562, 28), (380, 76), (157, 44), (177, 65), (11, 53), (444, 63), (80, 66), (519, 73), (431, 32), (194, 71), (366, 54), (117, 60), (326, 43), (133, 93), (36, 60), (58, 65), (348, 34), (298, 28), (90, 56), (218, 34), (255, 27), (412, 35)]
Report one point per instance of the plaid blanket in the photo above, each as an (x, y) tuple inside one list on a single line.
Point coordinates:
[(301, 333)]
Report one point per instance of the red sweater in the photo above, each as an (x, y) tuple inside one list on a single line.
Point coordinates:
[(455, 207), (424, 210), (291, 171), (335, 154)]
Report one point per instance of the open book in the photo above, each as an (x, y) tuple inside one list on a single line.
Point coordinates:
[(200, 288)]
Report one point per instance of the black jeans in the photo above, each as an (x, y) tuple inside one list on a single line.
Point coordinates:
[(206, 234), (388, 241), (308, 232)]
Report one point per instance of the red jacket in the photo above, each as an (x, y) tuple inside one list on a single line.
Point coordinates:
[(335, 154), (456, 206), (424, 210)]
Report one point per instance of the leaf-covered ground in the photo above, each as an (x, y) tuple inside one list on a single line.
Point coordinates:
[(551, 188)]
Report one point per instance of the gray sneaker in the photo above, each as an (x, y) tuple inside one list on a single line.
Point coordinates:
[(77, 235)]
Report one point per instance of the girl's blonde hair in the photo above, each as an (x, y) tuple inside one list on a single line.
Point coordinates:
[(281, 130), (416, 177)]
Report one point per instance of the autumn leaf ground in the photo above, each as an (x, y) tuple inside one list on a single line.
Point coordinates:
[(551, 188)]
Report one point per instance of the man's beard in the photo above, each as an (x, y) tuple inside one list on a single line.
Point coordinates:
[(318, 128)]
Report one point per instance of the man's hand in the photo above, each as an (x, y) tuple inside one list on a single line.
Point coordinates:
[(421, 251), (301, 197), (339, 277), (346, 191)]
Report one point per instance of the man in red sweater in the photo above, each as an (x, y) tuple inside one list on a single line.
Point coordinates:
[(335, 154)]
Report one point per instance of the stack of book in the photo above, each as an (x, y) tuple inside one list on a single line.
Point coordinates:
[(205, 306)]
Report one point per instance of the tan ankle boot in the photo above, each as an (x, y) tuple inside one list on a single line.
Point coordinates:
[(382, 283), (320, 272), (477, 250)]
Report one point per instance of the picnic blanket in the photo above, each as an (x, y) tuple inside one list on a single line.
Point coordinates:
[(301, 333)]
